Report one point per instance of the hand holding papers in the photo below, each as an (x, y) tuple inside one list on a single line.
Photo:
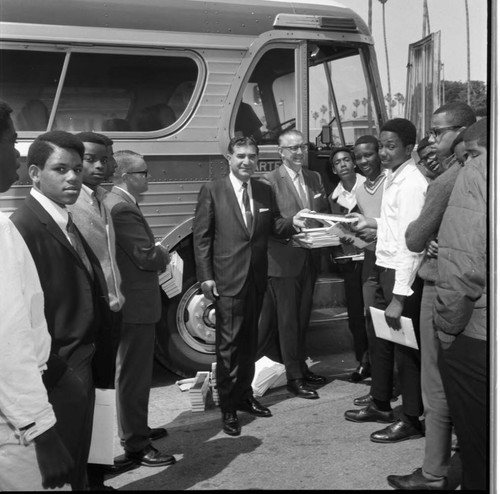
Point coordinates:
[(171, 278), (404, 336)]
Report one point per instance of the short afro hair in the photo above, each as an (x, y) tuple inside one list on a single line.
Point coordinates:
[(367, 139), (91, 137), (45, 145), (458, 113), (403, 128), (478, 132)]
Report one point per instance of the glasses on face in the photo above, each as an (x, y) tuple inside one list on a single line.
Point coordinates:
[(294, 149), (436, 132), (144, 173)]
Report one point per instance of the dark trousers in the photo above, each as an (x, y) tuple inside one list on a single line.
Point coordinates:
[(236, 344), (134, 371), (463, 368), (290, 300), (377, 292), (73, 399), (351, 272)]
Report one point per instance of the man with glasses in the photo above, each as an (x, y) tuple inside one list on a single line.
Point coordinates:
[(139, 259), (292, 270), (447, 123)]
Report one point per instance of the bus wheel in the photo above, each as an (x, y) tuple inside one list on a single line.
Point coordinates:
[(185, 335)]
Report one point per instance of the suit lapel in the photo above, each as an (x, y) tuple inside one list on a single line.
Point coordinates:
[(234, 205)]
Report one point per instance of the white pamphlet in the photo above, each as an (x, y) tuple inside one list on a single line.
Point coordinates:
[(404, 336)]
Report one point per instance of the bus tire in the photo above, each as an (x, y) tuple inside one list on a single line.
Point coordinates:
[(185, 334)]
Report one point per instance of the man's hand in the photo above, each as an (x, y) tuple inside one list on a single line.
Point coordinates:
[(394, 311), (53, 458), (210, 290), (361, 224), (299, 222), (432, 249)]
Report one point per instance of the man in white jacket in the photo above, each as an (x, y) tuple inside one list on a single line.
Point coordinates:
[(32, 455)]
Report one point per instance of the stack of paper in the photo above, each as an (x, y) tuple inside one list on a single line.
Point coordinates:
[(198, 392), (171, 279), (315, 239), (213, 384), (268, 374)]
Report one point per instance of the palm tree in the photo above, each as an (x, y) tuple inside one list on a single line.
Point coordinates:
[(386, 54), (323, 109), (315, 116), (343, 109), (364, 102), (356, 104), (400, 101)]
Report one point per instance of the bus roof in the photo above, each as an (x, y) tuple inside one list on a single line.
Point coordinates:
[(248, 18)]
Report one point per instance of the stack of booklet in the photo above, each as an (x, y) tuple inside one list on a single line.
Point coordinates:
[(336, 227), (171, 279), (268, 374), (198, 392)]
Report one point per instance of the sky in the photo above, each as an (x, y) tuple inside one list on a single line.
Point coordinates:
[(404, 26)]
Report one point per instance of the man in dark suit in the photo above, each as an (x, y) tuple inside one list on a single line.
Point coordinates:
[(71, 280), (233, 220), (292, 270), (139, 260)]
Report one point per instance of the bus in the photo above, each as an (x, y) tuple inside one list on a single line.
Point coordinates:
[(174, 81)]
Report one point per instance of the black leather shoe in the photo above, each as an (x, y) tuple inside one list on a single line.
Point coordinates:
[(396, 432), (361, 373), (312, 378), (301, 389), (230, 423), (363, 401), (157, 433), (150, 457), (370, 414), (416, 482), (255, 408), (120, 466)]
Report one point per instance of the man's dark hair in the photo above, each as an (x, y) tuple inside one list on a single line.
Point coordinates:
[(107, 140), (5, 111), (367, 139), (457, 140), (478, 132), (345, 149), (91, 137), (405, 130), (460, 114), (241, 141), (45, 145)]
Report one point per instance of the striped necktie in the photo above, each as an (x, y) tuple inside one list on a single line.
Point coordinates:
[(301, 191)]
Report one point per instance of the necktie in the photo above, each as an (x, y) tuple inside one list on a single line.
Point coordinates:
[(246, 204), (77, 244), (301, 191)]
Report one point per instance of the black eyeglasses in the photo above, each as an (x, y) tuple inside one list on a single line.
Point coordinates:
[(143, 172), (294, 149), (438, 131)]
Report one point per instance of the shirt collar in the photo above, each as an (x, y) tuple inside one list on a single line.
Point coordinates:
[(238, 184), (127, 192), (58, 213), (292, 173), (340, 187), (400, 173)]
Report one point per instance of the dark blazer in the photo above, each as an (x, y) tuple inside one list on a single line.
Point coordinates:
[(284, 259), (72, 298), (138, 259), (224, 249)]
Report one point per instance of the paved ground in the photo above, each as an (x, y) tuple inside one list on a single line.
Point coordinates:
[(307, 444)]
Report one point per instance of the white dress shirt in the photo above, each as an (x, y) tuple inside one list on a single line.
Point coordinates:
[(347, 198), (238, 190), (24, 338), (299, 183), (402, 201)]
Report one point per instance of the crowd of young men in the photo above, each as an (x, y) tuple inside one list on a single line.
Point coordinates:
[(84, 293)]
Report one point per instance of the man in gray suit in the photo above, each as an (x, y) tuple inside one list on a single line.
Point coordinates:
[(139, 259), (292, 270)]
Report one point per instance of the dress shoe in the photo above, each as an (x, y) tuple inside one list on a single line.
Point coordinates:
[(396, 432), (362, 372), (230, 423), (150, 457), (363, 401), (370, 414), (301, 389), (312, 378), (157, 433), (416, 482), (120, 466), (254, 407)]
